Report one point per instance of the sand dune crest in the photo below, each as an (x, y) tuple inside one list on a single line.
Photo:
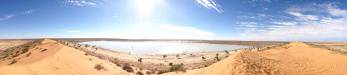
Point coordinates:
[(52, 58), (296, 58)]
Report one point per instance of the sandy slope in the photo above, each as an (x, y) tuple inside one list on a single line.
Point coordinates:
[(295, 58), (57, 60)]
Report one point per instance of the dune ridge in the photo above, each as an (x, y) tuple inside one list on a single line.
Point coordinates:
[(296, 58), (52, 58)]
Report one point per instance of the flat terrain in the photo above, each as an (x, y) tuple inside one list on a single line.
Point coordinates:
[(4, 44), (296, 58)]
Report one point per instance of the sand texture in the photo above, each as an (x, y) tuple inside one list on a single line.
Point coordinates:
[(52, 58), (296, 58)]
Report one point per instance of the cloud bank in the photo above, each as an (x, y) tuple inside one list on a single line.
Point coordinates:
[(306, 26)]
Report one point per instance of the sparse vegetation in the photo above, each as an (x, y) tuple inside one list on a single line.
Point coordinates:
[(13, 62), (162, 71), (128, 68), (43, 50), (139, 60), (217, 57), (164, 56), (170, 64), (90, 59), (149, 72), (27, 55), (99, 67), (203, 58), (13, 52), (139, 73), (178, 56), (86, 54), (226, 52), (177, 67)]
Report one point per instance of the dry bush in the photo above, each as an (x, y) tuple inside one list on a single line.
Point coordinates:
[(203, 58), (128, 68), (139, 60), (13, 62), (43, 50), (27, 55), (139, 73), (162, 71), (170, 64), (149, 72), (99, 67), (90, 59), (86, 54), (177, 67)]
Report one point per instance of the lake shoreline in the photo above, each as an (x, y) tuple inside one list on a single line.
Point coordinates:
[(161, 62), (162, 47)]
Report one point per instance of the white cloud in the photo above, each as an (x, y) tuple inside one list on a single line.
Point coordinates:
[(81, 2), (248, 25), (302, 16), (306, 27), (6, 17), (333, 10), (10, 16), (210, 4), (286, 23)]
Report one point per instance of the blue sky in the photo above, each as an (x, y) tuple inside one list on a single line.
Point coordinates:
[(294, 20)]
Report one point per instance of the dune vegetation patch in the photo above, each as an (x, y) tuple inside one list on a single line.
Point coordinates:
[(99, 67), (127, 68), (13, 52)]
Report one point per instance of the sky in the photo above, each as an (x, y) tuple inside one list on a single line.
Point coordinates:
[(269, 20)]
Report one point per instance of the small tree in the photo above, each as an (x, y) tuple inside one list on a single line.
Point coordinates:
[(217, 57), (164, 56), (170, 64), (139, 60), (86, 46), (226, 51), (178, 56), (203, 58)]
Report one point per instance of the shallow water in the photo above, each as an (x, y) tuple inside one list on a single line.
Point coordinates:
[(159, 47)]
